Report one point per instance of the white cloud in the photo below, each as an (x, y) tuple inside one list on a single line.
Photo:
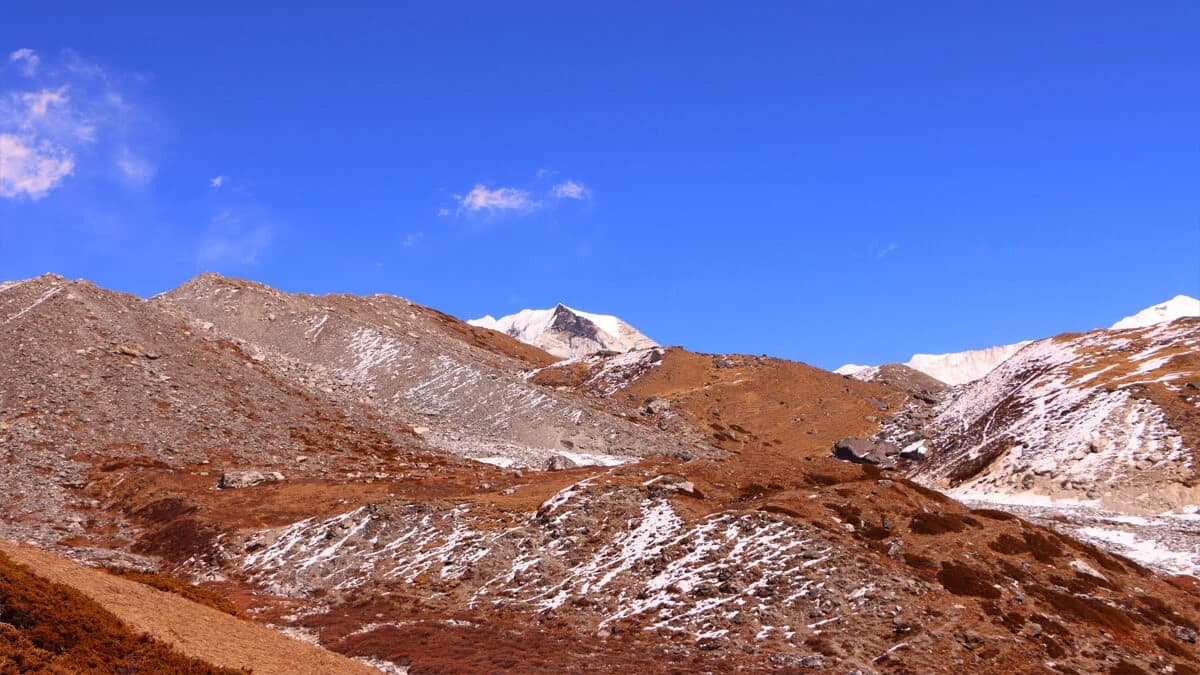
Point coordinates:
[(31, 169), (480, 198), (570, 189), (413, 239), (26, 60), (217, 181), (69, 117), (513, 200)]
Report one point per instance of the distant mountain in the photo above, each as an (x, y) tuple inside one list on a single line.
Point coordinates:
[(568, 333), (962, 367), (1175, 308), (954, 368)]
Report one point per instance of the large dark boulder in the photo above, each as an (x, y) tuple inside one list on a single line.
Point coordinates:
[(863, 451)]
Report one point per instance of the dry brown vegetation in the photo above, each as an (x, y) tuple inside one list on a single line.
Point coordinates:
[(196, 594), (50, 627)]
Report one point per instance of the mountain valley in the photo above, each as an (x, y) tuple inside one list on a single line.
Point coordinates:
[(413, 493)]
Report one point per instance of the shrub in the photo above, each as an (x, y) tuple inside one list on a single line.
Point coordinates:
[(940, 523), (962, 579)]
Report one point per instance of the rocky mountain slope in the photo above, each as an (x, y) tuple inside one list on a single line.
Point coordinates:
[(404, 361), (1094, 435), (962, 367), (374, 476), (1108, 417), (568, 333)]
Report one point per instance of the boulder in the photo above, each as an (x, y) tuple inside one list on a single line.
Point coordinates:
[(855, 450), (232, 480), (670, 482), (657, 406), (558, 463), (863, 451), (914, 452)]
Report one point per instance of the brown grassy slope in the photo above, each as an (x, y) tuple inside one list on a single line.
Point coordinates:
[(181, 588), (201, 633), (51, 627), (745, 402)]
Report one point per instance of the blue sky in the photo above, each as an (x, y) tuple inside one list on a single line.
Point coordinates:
[(822, 181)]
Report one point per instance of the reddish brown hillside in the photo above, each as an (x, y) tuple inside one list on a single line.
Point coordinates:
[(695, 522), (84, 620)]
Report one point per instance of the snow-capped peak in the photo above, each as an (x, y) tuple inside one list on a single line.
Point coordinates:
[(1175, 308), (567, 332), (851, 369), (963, 367)]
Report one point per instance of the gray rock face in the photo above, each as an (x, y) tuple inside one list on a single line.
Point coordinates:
[(863, 451), (232, 480)]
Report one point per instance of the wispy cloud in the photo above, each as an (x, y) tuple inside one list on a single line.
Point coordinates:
[(136, 168), (237, 234), (413, 239), (570, 189), (26, 60), (480, 198), (882, 251), (68, 114), (217, 181), (491, 201)]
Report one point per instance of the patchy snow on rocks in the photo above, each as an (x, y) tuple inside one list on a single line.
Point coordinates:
[(617, 554), (1063, 419), (49, 293), (616, 372), (1166, 542)]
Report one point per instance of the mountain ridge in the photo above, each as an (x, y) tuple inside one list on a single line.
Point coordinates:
[(566, 332), (956, 368)]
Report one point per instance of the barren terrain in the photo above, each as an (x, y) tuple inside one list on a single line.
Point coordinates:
[(392, 484)]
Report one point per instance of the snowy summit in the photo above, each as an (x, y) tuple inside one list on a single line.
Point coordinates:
[(566, 332), (1175, 308)]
